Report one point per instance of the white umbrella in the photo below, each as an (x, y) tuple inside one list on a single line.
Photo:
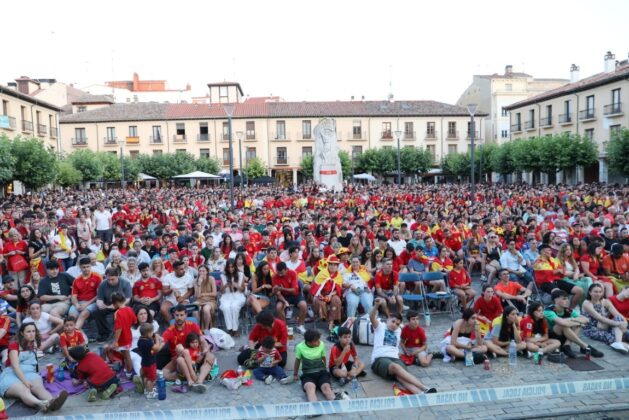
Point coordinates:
[(197, 175), (145, 177), (365, 176)]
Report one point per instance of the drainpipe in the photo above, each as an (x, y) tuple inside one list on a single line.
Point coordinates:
[(539, 120)]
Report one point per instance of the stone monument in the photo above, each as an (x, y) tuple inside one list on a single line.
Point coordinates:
[(327, 164)]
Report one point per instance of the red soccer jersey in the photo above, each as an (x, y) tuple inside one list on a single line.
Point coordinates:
[(288, 281), (526, 327), (489, 310), (85, 288), (278, 331), (76, 339), (621, 306), (459, 278), (174, 336), (147, 288), (194, 353), (413, 337), (94, 369), (124, 319), (336, 351), (5, 324), (386, 282)]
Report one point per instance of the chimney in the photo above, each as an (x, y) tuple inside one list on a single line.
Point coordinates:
[(508, 69), (574, 73), (610, 62), (352, 98)]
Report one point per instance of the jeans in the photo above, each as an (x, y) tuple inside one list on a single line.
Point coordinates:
[(262, 372), (352, 299), (102, 322), (524, 280)]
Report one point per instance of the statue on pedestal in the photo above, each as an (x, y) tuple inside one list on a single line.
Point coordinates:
[(327, 164)]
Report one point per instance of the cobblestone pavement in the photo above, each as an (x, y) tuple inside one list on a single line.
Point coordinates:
[(443, 376)]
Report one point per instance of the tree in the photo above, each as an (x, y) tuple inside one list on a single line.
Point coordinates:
[(256, 168), (457, 164), (618, 153), (307, 166), (7, 160), (208, 165), (346, 164), (35, 164), (501, 159), (67, 175), (88, 164), (111, 168), (527, 155), (131, 168), (414, 160)]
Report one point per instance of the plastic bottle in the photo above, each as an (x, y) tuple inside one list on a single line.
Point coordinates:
[(469, 358), (541, 357), (355, 387), (513, 353), (240, 371), (161, 386), (427, 319), (60, 374)]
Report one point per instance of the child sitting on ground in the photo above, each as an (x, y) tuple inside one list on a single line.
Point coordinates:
[(269, 358), (70, 337), (149, 344), (91, 368), (194, 364), (341, 367), (413, 340)]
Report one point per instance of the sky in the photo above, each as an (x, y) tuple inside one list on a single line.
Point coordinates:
[(310, 50)]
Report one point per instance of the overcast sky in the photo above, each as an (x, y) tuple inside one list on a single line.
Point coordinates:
[(317, 50)]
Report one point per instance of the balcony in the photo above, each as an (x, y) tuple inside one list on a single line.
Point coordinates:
[(250, 135), (281, 161), (27, 126), (529, 125), (9, 122), (386, 135), (179, 138), (54, 132), (516, 127), (430, 135), (280, 136), (306, 136), (156, 139), (203, 137), (133, 140), (110, 141), (613, 110), (565, 119), (546, 122), (79, 141), (452, 135), (476, 135), (42, 130), (409, 136), (356, 135), (587, 115)]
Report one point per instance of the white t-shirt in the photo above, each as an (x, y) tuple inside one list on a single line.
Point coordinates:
[(102, 219), (135, 334), (43, 323), (386, 342), (179, 285)]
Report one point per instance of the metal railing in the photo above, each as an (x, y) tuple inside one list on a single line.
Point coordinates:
[(203, 137), (280, 136), (11, 122), (281, 160), (452, 135), (156, 139), (54, 132), (565, 118), (516, 127), (79, 141), (132, 139), (250, 135), (408, 135), (587, 114), (110, 141), (27, 125), (615, 108), (529, 125), (546, 121), (351, 135), (42, 130), (179, 138), (431, 135), (306, 136), (476, 135), (386, 135)]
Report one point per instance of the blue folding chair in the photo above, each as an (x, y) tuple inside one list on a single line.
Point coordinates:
[(413, 278), (447, 296), (217, 277)]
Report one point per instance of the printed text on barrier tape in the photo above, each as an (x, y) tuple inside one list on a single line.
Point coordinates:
[(369, 404)]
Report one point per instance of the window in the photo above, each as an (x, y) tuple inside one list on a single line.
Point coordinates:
[(111, 135), (204, 153), (409, 130), (282, 157), (616, 96), (225, 130), (181, 129), (614, 108), (157, 152), (531, 122), (470, 129), (432, 150), (280, 126), (508, 87), (589, 133), (306, 129), (589, 104), (356, 152), (157, 134), (81, 108), (251, 130), (133, 131), (386, 130), (504, 112), (452, 149), (133, 154), (504, 134), (614, 129), (204, 134), (518, 120), (250, 153), (452, 129), (430, 129), (79, 135), (223, 93), (567, 105), (357, 129), (306, 151), (5, 107), (226, 156)]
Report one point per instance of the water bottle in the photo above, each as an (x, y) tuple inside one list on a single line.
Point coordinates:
[(355, 387), (240, 371), (513, 354), (60, 374), (469, 358), (161, 386), (427, 319)]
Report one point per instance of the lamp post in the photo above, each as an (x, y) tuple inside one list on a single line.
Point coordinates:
[(239, 135), (471, 108), (123, 183), (398, 136), (229, 110)]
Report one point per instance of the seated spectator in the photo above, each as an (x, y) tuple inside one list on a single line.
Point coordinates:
[(144, 316), (591, 265), (534, 330), (565, 325), (515, 264), (488, 307), (413, 341), (387, 287), (605, 324), (344, 362), (54, 290), (549, 275), (266, 325), (195, 364), (269, 358), (504, 330), (616, 266), (26, 294), (47, 327), (178, 287), (84, 290), (5, 334), (175, 337), (98, 375), (385, 357), (147, 291), (443, 263), (511, 292), (326, 291), (287, 294), (113, 284), (465, 335), (356, 283), (70, 337), (473, 255), (461, 283), (205, 293), (261, 288)]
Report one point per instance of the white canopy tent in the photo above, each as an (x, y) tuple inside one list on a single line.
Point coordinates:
[(145, 177), (197, 175), (366, 177)]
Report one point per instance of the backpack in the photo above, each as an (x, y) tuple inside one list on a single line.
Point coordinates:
[(362, 331)]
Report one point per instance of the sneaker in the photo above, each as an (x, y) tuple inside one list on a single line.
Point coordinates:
[(40, 354), (619, 347), (57, 402), (129, 375), (151, 395), (91, 395), (269, 379), (593, 352), (300, 329), (529, 354), (287, 380), (109, 391), (342, 381), (567, 350), (437, 355), (310, 313), (341, 396), (180, 389), (483, 279), (430, 391), (139, 386), (198, 388)]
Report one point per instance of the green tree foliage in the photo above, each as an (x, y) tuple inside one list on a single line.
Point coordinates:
[(7, 160), (378, 161), (457, 164), (131, 168), (346, 164), (35, 164), (88, 164), (501, 158), (307, 166), (414, 160), (210, 166), (67, 175), (618, 153), (111, 166), (165, 166), (256, 168)]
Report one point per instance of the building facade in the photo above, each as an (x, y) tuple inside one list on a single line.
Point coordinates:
[(594, 107), (493, 93), (279, 133)]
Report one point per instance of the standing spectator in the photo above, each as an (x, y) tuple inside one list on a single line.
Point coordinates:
[(103, 223), (286, 290), (15, 251), (63, 247), (232, 297), (54, 290)]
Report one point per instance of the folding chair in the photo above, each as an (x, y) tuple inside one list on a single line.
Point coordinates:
[(448, 297), (413, 278), (217, 277)]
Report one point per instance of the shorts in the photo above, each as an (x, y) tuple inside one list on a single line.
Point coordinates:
[(149, 372), (566, 286), (91, 308), (380, 367), (317, 378), (559, 337), (348, 367), (294, 300), (61, 307), (124, 348)]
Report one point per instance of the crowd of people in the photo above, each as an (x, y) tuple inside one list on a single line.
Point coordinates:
[(154, 269)]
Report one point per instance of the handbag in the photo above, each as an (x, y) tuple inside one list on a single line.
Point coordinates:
[(18, 263)]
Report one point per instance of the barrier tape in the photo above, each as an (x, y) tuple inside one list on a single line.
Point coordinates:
[(366, 404)]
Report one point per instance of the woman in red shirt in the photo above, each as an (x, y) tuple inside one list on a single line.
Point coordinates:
[(591, 265), (461, 283), (534, 330), (15, 250)]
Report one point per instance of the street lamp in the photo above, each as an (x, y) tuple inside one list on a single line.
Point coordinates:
[(122, 179), (471, 108), (240, 134), (229, 110), (398, 136)]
